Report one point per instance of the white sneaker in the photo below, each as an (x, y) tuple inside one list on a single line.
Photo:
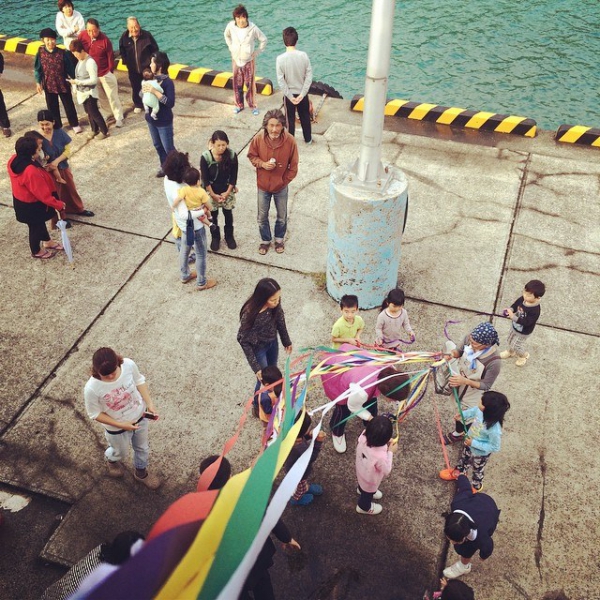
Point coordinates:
[(77, 129), (378, 495), (522, 360), (456, 570), (339, 443), (119, 123), (374, 510), (137, 110), (507, 354)]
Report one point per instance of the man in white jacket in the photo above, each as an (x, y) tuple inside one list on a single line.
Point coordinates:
[(241, 36)]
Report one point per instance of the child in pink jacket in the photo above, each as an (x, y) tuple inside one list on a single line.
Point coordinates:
[(374, 455)]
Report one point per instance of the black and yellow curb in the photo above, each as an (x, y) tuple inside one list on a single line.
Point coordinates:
[(578, 134), (457, 117), (220, 79)]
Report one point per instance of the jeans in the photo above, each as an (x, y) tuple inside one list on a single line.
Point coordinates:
[(118, 448), (200, 248), (162, 138), (266, 356), (264, 204)]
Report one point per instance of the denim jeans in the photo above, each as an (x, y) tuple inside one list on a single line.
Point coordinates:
[(267, 357), (118, 448), (162, 138), (264, 203), (200, 248)]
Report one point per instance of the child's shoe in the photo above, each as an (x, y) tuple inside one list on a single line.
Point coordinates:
[(507, 354), (339, 443), (476, 490), (374, 510), (520, 362), (450, 438), (456, 570), (303, 501), (315, 489), (378, 495), (449, 474)]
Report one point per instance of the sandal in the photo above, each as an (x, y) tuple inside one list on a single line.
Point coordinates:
[(263, 248), (279, 247), (43, 254), (53, 246)]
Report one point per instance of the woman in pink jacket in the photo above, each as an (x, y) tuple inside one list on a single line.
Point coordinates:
[(374, 455)]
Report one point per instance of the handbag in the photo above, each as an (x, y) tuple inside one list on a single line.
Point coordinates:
[(441, 378), (189, 229)]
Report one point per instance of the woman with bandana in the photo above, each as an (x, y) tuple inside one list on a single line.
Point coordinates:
[(475, 370)]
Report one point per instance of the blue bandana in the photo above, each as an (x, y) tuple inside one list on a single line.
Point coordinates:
[(485, 334)]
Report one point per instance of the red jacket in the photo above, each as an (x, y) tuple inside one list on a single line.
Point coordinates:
[(33, 184), (100, 50)]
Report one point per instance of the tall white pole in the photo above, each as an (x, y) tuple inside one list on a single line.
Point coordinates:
[(369, 167)]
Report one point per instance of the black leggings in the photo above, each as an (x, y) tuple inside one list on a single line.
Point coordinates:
[(365, 500), (227, 213), (67, 101), (97, 122), (34, 215), (341, 412)]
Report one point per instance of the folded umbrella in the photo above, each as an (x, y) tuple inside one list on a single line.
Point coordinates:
[(66, 242)]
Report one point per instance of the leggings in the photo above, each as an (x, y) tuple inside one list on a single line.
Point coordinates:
[(97, 122), (341, 412)]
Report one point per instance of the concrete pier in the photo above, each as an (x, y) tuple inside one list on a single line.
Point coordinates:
[(487, 213)]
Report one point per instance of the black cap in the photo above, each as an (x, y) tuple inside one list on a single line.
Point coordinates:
[(48, 32)]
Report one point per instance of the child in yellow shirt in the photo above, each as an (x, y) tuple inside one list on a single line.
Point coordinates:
[(194, 196)]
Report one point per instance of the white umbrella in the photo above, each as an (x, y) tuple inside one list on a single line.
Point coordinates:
[(66, 242)]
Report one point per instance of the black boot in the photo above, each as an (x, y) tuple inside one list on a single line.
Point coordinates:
[(215, 241), (229, 239)]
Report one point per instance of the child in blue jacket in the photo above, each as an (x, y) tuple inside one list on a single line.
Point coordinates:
[(483, 437)]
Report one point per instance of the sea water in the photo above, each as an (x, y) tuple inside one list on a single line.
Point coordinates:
[(536, 59)]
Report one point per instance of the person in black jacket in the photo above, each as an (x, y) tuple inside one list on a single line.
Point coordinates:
[(136, 46), (470, 527), (4, 120)]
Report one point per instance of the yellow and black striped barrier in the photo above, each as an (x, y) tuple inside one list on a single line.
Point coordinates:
[(220, 79), (457, 117), (578, 134)]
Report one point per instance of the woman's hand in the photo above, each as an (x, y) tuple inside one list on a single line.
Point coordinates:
[(291, 545), (129, 426), (288, 349), (259, 375), (458, 380)]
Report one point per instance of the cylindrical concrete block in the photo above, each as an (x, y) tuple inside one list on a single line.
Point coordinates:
[(364, 236)]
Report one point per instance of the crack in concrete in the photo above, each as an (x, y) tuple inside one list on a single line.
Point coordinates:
[(518, 588), (565, 249), (538, 553), (549, 266)]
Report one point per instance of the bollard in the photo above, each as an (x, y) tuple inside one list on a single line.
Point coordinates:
[(364, 235)]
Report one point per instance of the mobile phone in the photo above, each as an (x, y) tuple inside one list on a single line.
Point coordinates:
[(151, 416)]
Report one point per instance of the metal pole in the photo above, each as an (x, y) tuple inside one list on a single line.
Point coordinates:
[(369, 167)]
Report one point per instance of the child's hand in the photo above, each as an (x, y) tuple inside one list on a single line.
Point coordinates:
[(393, 446), (468, 441), (259, 375), (291, 546), (321, 436)]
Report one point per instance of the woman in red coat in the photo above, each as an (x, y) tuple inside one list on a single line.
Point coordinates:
[(34, 197)]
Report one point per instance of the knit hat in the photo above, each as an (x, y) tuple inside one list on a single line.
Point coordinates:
[(45, 115), (48, 33), (485, 334)]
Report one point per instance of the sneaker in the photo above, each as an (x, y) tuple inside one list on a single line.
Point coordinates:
[(378, 495), (210, 283), (137, 110), (456, 570), (339, 443), (477, 490), (507, 354), (115, 468), (160, 173), (119, 123), (520, 362), (6, 131), (449, 474), (151, 481), (77, 129), (305, 500), (237, 110), (309, 142), (102, 136), (315, 489), (374, 510), (191, 276), (255, 111)]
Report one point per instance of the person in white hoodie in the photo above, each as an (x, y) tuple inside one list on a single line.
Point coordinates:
[(69, 22), (241, 36)]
